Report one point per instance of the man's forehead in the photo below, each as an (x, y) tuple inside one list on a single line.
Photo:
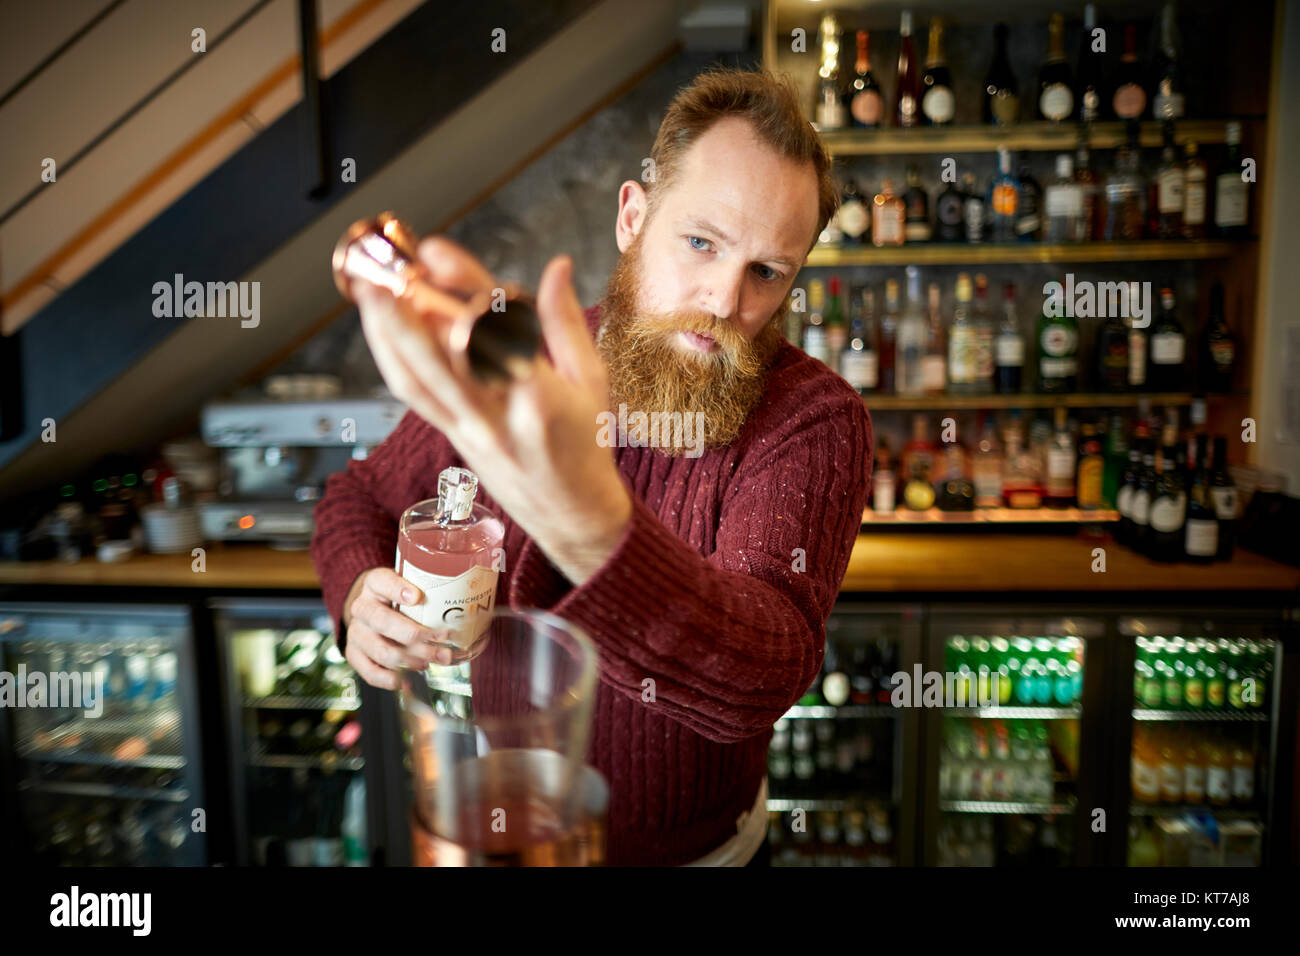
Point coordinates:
[(733, 179)]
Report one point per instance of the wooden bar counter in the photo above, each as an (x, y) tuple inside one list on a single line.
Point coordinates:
[(882, 563)]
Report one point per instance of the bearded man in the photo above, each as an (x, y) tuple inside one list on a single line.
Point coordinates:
[(710, 573)]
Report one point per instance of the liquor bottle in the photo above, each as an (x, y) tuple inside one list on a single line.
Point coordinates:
[(1231, 198), (1201, 542), (1171, 189), (887, 217), (1194, 175), (1124, 499), (934, 363), (1029, 203), (1009, 346), (1243, 776), (1116, 454), (986, 468), (1125, 193), (1223, 492), (911, 339), (1003, 196), (918, 463), (1168, 511), (1129, 100), (937, 101), (1218, 346), (449, 548), (1141, 501), (1138, 349), (1089, 70), (1218, 774), (830, 102), (814, 333), (950, 215), (961, 342), (1112, 355), (882, 482), (916, 205), (973, 212), (1168, 347), (1090, 191), (1058, 353), (1001, 92), (1062, 458), (1055, 85), (907, 79), (982, 322), (866, 102), (1063, 204), (837, 333), (854, 220), (1022, 471), (1168, 102), (1091, 469), (858, 360), (887, 352)]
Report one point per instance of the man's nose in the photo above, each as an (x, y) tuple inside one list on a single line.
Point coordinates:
[(720, 294)]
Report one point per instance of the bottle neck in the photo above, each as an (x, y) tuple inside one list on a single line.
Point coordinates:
[(934, 56)]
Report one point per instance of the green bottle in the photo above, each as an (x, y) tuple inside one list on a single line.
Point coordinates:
[(1002, 668), (1193, 676), (1116, 458), (1234, 675)]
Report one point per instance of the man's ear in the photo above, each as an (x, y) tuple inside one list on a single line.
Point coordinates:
[(632, 207)]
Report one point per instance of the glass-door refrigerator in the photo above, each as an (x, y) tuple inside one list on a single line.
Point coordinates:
[(1204, 738), (841, 761), (102, 731), (1004, 697), (299, 759)]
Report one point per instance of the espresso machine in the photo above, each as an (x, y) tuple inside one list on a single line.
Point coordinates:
[(277, 449)]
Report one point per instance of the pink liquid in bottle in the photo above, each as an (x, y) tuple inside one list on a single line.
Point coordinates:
[(451, 549)]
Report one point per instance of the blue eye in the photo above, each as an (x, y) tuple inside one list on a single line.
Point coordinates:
[(766, 273), (704, 243)]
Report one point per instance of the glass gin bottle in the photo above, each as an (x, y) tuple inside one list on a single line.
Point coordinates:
[(451, 549)]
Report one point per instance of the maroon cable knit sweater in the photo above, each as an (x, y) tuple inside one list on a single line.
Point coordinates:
[(702, 594)]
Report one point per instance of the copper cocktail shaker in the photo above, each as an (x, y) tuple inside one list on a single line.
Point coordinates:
[(490, 336)]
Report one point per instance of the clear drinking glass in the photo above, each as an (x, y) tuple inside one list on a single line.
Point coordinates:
[(498, 744)]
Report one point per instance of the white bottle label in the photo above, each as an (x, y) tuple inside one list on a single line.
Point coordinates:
[(859, 368), (1060, 463), (463, 603), (1243, 783), (1065, 201), (1168, 514), (1202, 537), (1057, 101), (1141, 507), (1010, 350), (853, 219), (1225, 503), (932, 373), (938, 104), (1171, 190), (1124, 501), (1145, 779), (1167, 107), (1218, 785), (1137, 359), (882, 499), (1167, 348), (1193, 783), (1229, 200)]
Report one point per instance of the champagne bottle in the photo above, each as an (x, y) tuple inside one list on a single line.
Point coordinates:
[(1055, 85), (937, 101), (1001, 92)]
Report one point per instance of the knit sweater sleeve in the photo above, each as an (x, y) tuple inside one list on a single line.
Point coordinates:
[(356, 518), (732, 639)]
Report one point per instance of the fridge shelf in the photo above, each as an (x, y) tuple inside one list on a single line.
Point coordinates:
[(108, 791), (1182, 809), (1017, 713), (823, 712), (258, 757), (1141, 713), (991, 806), (790, 804), (287, 702), (105, 742)]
